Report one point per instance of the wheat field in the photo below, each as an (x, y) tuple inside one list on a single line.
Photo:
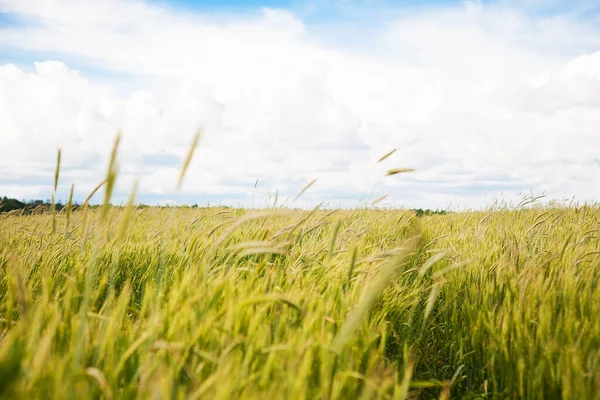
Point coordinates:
[(215, 303)]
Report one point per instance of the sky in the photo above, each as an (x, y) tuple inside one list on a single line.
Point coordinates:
[(487, 100)]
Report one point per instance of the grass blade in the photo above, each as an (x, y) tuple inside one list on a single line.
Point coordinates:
[(399, 171), (304, 189), (371, 293), (386, 155), (188, 158)]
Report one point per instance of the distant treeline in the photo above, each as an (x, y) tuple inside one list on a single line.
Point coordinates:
[(8, 205), (420, 212)]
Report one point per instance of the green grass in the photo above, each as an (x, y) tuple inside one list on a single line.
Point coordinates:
[(228, 303)]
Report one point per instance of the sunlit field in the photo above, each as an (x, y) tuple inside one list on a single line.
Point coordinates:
[(215, 303)]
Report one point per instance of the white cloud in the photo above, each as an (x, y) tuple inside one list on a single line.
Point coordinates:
[(480, 99)]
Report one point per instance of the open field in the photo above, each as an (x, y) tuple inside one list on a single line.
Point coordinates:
[(227, 303)]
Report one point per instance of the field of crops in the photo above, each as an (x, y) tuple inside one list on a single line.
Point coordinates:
[(222, 303)]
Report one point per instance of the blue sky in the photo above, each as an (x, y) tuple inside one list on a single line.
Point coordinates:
[(303, 4), (339, 9), (484, 99)]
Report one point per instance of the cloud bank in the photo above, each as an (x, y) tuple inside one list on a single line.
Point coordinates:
[(481, 99)]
